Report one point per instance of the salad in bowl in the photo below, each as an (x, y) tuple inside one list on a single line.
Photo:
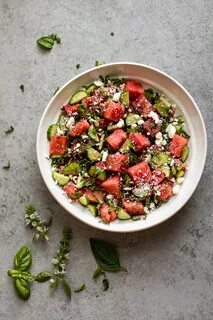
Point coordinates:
[(118, 149)]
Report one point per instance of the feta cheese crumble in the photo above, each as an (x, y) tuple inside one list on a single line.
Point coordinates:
[(98, 83), (171, 130), (116, 96), (154, 116)]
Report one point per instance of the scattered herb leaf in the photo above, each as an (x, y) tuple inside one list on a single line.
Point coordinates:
[(55, 38), (23, 258), (105, 255), (33, 220), (81, 288), (9, 130), (105, 284), (22, 87), (99, 63), (56, 90), (43, 276), (112, 34), (78, 66), (7, 166), (47, 42), (67, 288)]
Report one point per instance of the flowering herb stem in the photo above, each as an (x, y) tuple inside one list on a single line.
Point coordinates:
[(33, 220)]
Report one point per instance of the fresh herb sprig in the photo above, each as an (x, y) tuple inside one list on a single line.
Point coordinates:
[(22, 277), (59, 263), (33, 220), (80, 288), (99, 63)]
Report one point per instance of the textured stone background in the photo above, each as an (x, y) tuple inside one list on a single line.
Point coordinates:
[(170, 266)]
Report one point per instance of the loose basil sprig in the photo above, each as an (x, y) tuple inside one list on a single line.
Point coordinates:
[(47, 42), (33, 220), (81, 288), (23, 278), (106, 257), (59, 262)]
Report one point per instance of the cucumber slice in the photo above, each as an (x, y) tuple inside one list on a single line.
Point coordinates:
[(60, 178), (80, 182), (93, 209), (126, 146), (132, 118), (185, 153), (92, 133), (159, 159), (51, 132), (62, 122), (84, 200), (78, 96), (97, 172), (102, 175), (93, 154), (124, 98), (123, 215), (91, 89), (166, 170), (72, 168), (163, 107), (180, 174)]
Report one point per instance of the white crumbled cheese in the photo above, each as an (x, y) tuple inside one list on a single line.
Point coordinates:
[(152, 205), (172, 179), (175, 188), (171, 130), (86, 175), (159, 139), (59, 131), (140, 122), (120, 123), (70, 123), (104, 155), (47, 157), (116, 96), (109, 197), (77, 145), (146, 210), (84, 137), (148, 133), (180, 180), (158, 135), (164, 143), (154, 116), (98, 83), (134, 125), (172, 162), (127, 188)]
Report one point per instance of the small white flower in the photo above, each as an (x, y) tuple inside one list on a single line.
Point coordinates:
[(39, 228), (52, 281), (54, 261), (37, 236), (34, 224), (27, 222), (32, 216)]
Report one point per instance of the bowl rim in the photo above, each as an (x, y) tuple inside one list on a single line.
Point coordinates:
[(99, 226)]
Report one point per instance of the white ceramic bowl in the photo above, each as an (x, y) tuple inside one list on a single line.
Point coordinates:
[(150, 77)]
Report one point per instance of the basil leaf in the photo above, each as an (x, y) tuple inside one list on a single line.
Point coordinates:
[(46, 42), (43, 276), (23, 258), (16, 274), (105, 284), (105, 255), (67, 288), (97, 272), (81, 288), (22, 288)]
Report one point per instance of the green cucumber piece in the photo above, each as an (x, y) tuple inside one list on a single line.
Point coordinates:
[(166, 170), (97, 172), (160, 159), (92, 133), (80, 182), (84, 200), (132, 118), (185, 153), (174, 171), (72, 168), (93, 209), (78, 96), (124, 98), (62, 122), (91, 88), (60, 178), (102, 175), (123, 215), (180, 174), (93, 154), (51, 132), (163, 107), (126, 146)]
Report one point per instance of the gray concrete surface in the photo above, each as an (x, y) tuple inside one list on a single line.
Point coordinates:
[(171, 266)]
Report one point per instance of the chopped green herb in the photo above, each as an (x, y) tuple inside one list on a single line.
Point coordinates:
[(112, 34), (47, 42), (56, 90), (78, 66), (9, 130), (22, 87), (81, 288), (98, 272), (105, 284), (7, 166), (55, 38), (99, 63)]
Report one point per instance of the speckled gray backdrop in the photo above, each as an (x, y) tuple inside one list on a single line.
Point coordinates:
[(171, 266)]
